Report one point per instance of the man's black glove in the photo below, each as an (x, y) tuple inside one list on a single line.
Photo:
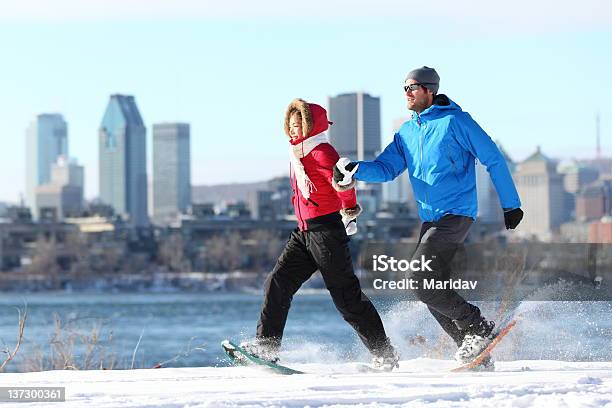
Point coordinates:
[(343, 174), (512, 218)]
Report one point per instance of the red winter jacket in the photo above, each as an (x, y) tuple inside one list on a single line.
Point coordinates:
[(324, 199), (318, 165)]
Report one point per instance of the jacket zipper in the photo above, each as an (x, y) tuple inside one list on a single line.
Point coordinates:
[(421, 138), (297, 198)]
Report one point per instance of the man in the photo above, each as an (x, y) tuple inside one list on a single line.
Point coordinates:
[(438, 147)]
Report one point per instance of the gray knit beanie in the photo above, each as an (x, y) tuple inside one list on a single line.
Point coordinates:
[(426, 76)]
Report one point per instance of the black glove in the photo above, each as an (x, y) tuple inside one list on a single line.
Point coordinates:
[(338, 175), (512, 218)]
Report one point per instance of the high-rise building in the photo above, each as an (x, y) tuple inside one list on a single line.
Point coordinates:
[(355, 134), (356, 129), (123, 160), (46, 140), (171, 171), (541, 190), (63, 195)]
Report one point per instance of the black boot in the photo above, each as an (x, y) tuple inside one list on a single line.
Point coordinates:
[(385, 358), (477, 338)]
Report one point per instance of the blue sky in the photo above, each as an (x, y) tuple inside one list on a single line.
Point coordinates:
[(529, 78)]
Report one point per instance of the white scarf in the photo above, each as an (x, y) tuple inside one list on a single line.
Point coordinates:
[(299, 151)]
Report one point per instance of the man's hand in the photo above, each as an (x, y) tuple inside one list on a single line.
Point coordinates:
[(343, 174), (512, 218)]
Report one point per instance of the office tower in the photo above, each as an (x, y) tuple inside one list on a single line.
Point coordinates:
[(355, 134), (123, 160), (171, 171), (63, 195), (541, 190), (46, 140)]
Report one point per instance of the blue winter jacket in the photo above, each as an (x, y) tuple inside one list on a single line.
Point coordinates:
[(439, 148)]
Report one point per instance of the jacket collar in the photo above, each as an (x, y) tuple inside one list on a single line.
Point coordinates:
[(441, 102)]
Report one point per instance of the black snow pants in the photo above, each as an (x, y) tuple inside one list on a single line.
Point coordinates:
[(439, 242), (323, 247)]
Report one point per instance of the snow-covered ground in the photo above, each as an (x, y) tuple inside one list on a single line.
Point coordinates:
[(419, 382)]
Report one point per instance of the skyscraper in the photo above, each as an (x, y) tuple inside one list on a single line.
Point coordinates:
[(123, 159), (541, 190), (356, 129), (355, 134), (46, 140), (171, 170)]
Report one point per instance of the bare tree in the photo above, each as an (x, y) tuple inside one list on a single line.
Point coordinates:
[(224, 252), (266, 249), (11, 354), (44, 259), (110, 259), (77, 249), (172, 254)]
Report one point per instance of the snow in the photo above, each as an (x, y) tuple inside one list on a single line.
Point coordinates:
[(420, 382)]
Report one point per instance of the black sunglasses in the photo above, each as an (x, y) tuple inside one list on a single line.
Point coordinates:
[(414, 87)]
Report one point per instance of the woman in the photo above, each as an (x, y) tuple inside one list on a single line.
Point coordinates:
[(319, 243)]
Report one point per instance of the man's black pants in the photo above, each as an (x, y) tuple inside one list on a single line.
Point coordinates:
[(324, 248), (439, 242)]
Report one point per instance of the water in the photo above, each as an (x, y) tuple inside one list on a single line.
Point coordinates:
[(186, 330)]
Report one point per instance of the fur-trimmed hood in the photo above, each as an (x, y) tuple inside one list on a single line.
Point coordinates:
[(314, 118)]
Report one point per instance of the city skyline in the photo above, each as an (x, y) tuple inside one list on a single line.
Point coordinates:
[(554, 194), (231, 76), (150, 154)]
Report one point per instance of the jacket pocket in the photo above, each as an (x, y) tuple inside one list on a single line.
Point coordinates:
[(456, 163), (313, 202)]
